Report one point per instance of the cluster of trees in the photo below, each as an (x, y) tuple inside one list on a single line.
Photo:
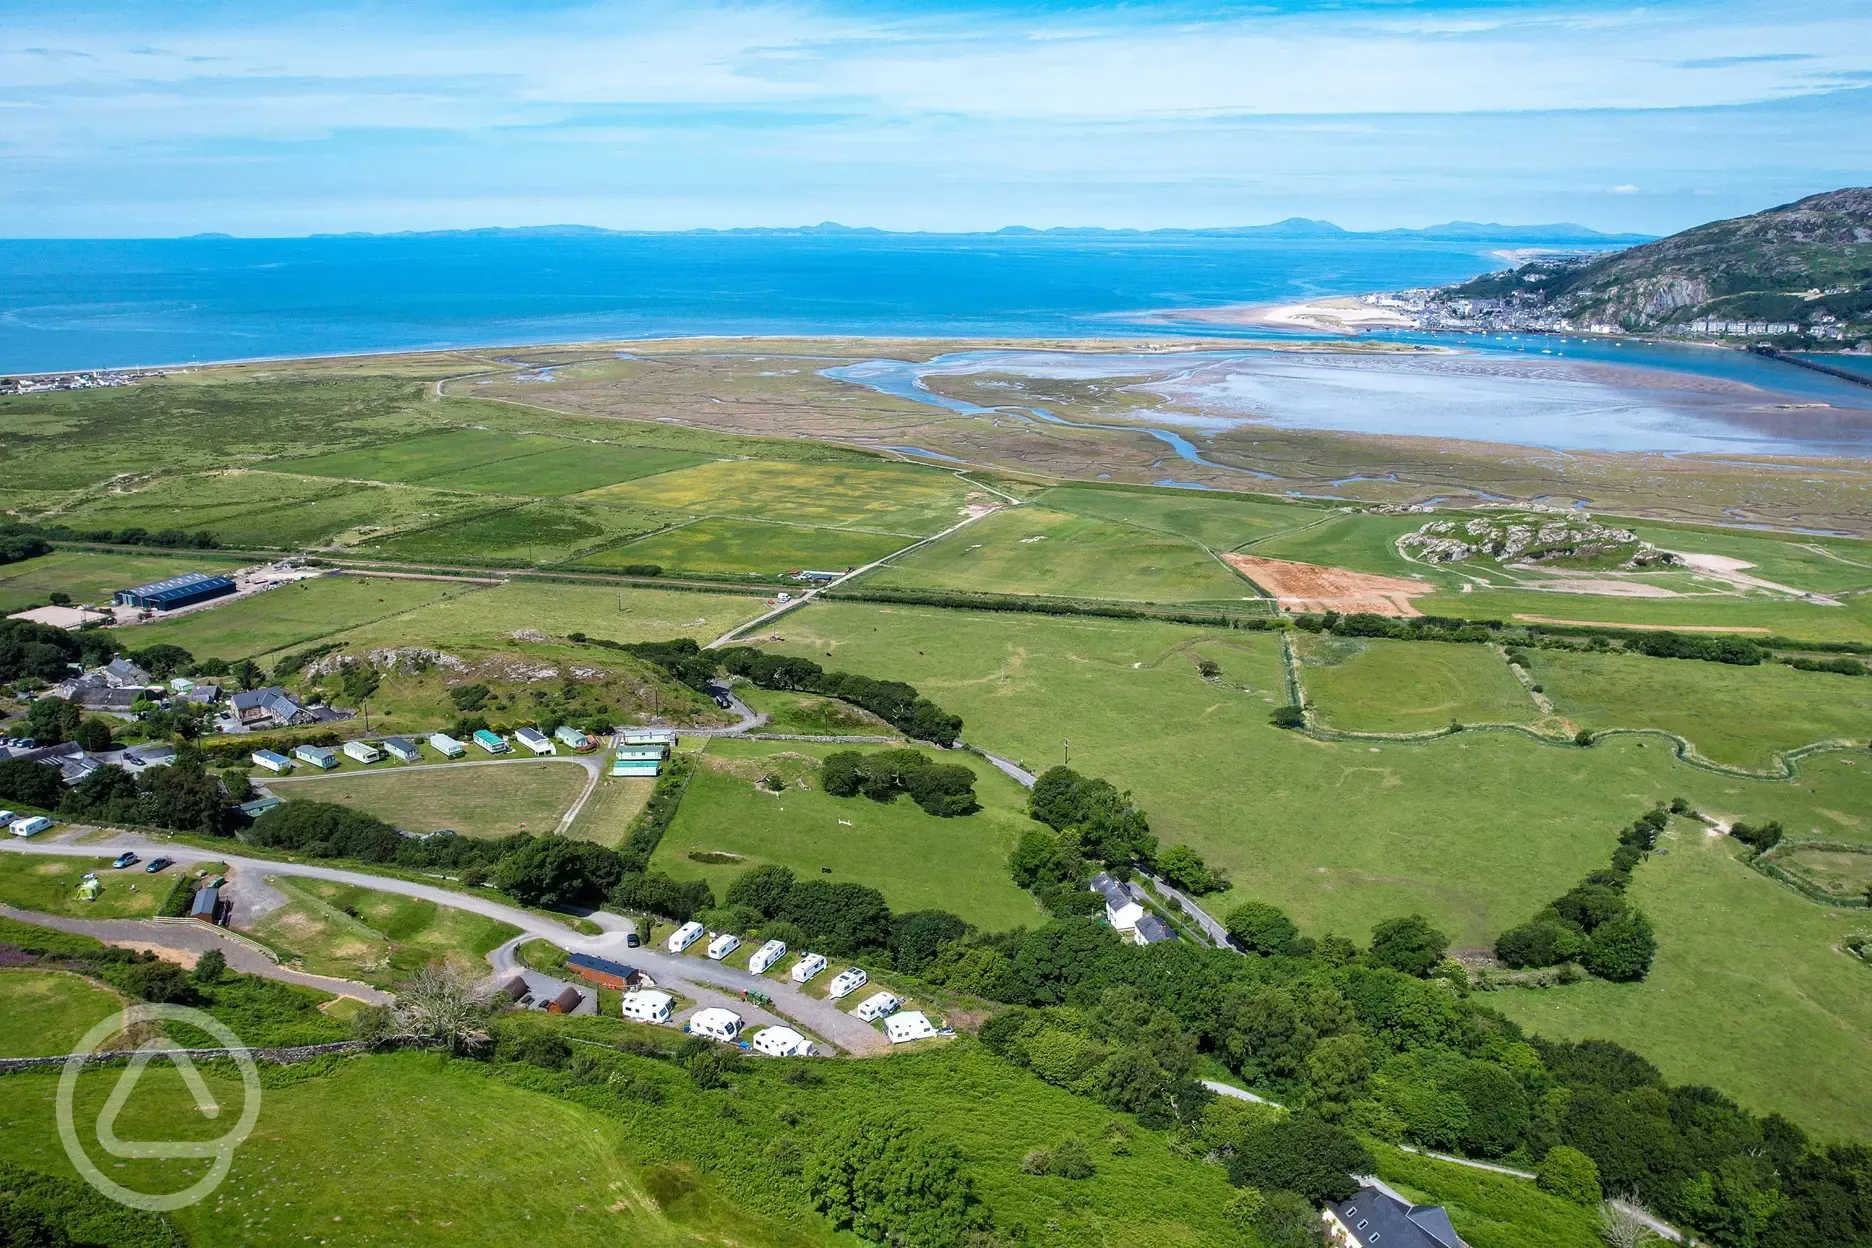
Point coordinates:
[(1668, 645), (1051, 606), (1842, 666), (945, 789), (896, 703), (1593, 923), (1418, 628), (1184, 868), (21, 541), (26, 783), (1759, 838), (1092, 818), (181, 796), (893, 1183), (845, 920), (174, 539), (327, 830), (31, 651)]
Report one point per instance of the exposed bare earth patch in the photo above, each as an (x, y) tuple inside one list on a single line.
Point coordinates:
[(1312, 587), (1643, 628)]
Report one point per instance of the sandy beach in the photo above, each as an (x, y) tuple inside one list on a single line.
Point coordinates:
[(1342, 315)]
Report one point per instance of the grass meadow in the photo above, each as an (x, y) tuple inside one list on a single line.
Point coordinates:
[(1476, 831), (495, 799), (49, 885), (1214, 519), (1735, 715), (543, 531), (93, 576), (883, 497), (725, 547), (1818, 564), (565, 468), (1750, 991), (1840, 873), (917, 860), (1034, 550), (380, 938), (1373, 685), (1851, 621), (291, 615), (607, 814), (415, 458), (1356, 540), (46, 1013)]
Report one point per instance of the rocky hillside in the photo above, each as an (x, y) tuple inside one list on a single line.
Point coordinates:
[(1575, 541), (1805, 265)]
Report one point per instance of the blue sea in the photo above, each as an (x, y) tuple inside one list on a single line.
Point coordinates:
[(107, 303)]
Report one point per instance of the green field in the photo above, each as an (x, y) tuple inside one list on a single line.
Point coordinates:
[(1750, 991), (607, 814), (46, 1013), (381, 938), (1217, 520), (419, 457), (1851, 621), (1477, 830), (1033, 550), (1360, 541), (565, 469), (1372, 685), (50, 886), (736, 546), (92, 576), (489, 616), (882, 497), (1735, 715), (1840, 873), (1820, 564), (495, 799), (916, 860), (292, 615), (812, 715), (540, 532)]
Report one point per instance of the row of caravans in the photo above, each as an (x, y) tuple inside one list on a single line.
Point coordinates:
[(406, 750)]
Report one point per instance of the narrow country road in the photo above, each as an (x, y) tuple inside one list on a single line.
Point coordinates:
[(821, 1017)]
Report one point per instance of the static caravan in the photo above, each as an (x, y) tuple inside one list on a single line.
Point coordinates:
[(31, 825), (492, 742), (722, 946), (684, 936), (647, 1005), (877, 1006), (907, 1026), (765, 956), (446, 746), (781, 1042), (716, 1023), (664, 737), (847, 982), (535, 740), (363, 751), (271, 761), (572, 738), (809, 965), (402, 749), (636, 767), (639, 754), (317, 755)]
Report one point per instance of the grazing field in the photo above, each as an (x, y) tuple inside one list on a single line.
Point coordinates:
[(1355, 540), (1839, 873), (565, 468), (380, 938), (46, 1013), (90, 576), (416, 458), (490, 616), (492, 799), (1736, 715), (1818, 564), (1373, 685), (1750, 991), (50, 886), (812, 715), (607, 814), (883, 497), (917, 860), (1476, 831), (290, 616), (1033, 550), (1216, 520), (539, 532), (1852, 621), (738, 546)]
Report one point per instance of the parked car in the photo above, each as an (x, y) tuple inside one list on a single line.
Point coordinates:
[(125, 859), (158, 863), (632, 940)]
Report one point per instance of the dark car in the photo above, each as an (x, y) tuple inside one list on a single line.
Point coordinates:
[(631, 941), (157, 864), (125, 859)]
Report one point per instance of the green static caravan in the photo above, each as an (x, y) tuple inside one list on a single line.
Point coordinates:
[(636, 766)]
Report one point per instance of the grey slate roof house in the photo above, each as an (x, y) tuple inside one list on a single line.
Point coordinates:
[(268, 708), (1378, 1217), (121, 673)]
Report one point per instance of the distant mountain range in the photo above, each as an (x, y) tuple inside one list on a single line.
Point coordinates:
[(1806, 265), (1292, 227)]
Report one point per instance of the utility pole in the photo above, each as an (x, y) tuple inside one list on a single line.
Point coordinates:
[(1068, 744)]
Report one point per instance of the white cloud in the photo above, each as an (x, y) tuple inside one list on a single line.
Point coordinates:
[(1625, 189)]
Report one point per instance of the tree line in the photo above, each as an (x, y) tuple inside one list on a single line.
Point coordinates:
[(1593, 923)]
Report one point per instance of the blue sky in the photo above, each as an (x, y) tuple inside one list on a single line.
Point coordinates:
[(162, 118)]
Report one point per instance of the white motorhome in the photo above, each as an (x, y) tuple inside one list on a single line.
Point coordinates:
[(809, 965), (877, 1006), (847, 982), (684, 936), (765, 956), (716, 1023), (647, 1005)]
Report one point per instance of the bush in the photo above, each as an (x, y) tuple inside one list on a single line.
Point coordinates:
[(1300, 1153), (1286, 1220), (1288, 717), (1184, 868), (555, 871), (160, 982), (209, 967), (890, 1182), (1621, 949), (1408, 944), (1544, 942), (1760, 839), (1257, 927), (1071, 1160), (179, 899), (1569, 1174)]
